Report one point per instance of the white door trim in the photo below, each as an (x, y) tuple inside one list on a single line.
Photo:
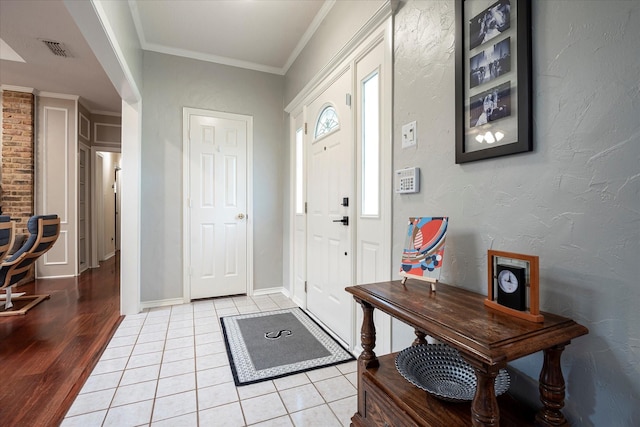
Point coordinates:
[(350, 55), (93, 261), (186, 170)]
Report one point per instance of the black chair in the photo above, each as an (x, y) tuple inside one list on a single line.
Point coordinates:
[(6, 235), (43, 233)]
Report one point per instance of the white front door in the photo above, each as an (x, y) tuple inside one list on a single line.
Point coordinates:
[(330, 184), (217, 188)]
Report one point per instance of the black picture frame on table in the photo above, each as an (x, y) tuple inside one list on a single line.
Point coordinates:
[(493, 78)]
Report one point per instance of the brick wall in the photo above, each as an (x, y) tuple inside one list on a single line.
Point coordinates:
[(18, 157)]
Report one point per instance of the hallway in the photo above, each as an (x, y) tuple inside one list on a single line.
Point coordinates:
[(47, 354)]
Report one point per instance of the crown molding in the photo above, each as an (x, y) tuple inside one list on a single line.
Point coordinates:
[(18, 89)]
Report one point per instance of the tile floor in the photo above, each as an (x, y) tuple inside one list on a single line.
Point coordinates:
[(168, 367)]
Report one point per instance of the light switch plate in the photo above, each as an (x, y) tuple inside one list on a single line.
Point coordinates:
[(409, 138)]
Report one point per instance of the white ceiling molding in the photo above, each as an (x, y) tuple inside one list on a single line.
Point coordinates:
[(58, 95), (211, 58), (324, 11), (7, 53), (226, 60), (17, 88), (385, 11)]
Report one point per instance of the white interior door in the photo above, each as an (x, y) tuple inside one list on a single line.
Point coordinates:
[(218, 204), (330, 181)]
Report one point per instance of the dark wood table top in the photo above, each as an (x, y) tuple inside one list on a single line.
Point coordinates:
[(460, 318)]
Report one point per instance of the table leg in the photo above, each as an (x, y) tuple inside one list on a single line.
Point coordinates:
[(368, 358), (484, 408), (551, 385), (420, 338)]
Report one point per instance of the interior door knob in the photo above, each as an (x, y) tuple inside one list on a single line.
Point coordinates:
[(240, 216)]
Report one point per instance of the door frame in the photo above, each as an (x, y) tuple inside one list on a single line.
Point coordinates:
[(87, 206), (187, 112), (378, 30), (96, 205)]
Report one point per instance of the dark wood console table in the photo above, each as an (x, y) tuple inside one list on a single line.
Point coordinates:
[(485, 338)]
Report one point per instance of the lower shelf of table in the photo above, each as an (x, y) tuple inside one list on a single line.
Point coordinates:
[(391, 400)]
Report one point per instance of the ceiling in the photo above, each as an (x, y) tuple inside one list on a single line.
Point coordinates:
[(263, 35)]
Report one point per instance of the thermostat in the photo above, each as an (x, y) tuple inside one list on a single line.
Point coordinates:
[(407, 180)]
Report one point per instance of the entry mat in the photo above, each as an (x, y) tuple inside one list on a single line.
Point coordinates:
[(274, 344)]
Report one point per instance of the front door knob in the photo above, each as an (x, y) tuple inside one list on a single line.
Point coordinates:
[(344, 220), (240, 216)]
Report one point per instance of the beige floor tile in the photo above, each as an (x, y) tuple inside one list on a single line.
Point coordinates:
[(291, 381), (275, 422), (229, 415), (347, 368), (84, 420), (134, 414), (91, 402), (221, 394), (318, 416), (101, 382), (147, 359), (138, 375), (257, 389), (148, 347), (174, 405), (179, 367), (177, 354), (344, 409), (176, 384), (302, 397), (174, 343), (323, 373), (134, 393), (214, 376), (111, 365), (335, 388), (262, 408), (187, 420), (212, 361)]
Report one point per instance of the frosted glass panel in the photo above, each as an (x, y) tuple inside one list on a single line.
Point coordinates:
[(371, 146), (299, 172)]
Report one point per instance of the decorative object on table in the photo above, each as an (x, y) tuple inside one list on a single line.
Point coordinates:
[(423, 251), (493, 79), (513, 286), (439, 370), (264, 346)]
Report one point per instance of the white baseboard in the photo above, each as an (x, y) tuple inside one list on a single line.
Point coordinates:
[(161, 303), (269, 291)]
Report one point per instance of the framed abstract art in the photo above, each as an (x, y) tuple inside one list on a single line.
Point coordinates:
[(423, 253)]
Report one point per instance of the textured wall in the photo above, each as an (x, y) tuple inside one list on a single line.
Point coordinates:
[(574, 201), (171, 83)]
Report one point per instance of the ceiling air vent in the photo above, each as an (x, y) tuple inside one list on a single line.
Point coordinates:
[(57, 48)]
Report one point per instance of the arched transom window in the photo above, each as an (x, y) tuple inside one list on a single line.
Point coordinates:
[(327, 122)]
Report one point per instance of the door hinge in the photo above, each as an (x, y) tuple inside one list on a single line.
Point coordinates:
[(305, 128), (348, 99), (305, 286), (305, 207)]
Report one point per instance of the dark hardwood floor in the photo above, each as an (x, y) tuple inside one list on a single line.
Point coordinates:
[(47, 354)]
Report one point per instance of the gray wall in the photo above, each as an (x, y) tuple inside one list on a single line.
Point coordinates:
[(574, 201), (171, 83), (339, 26)]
